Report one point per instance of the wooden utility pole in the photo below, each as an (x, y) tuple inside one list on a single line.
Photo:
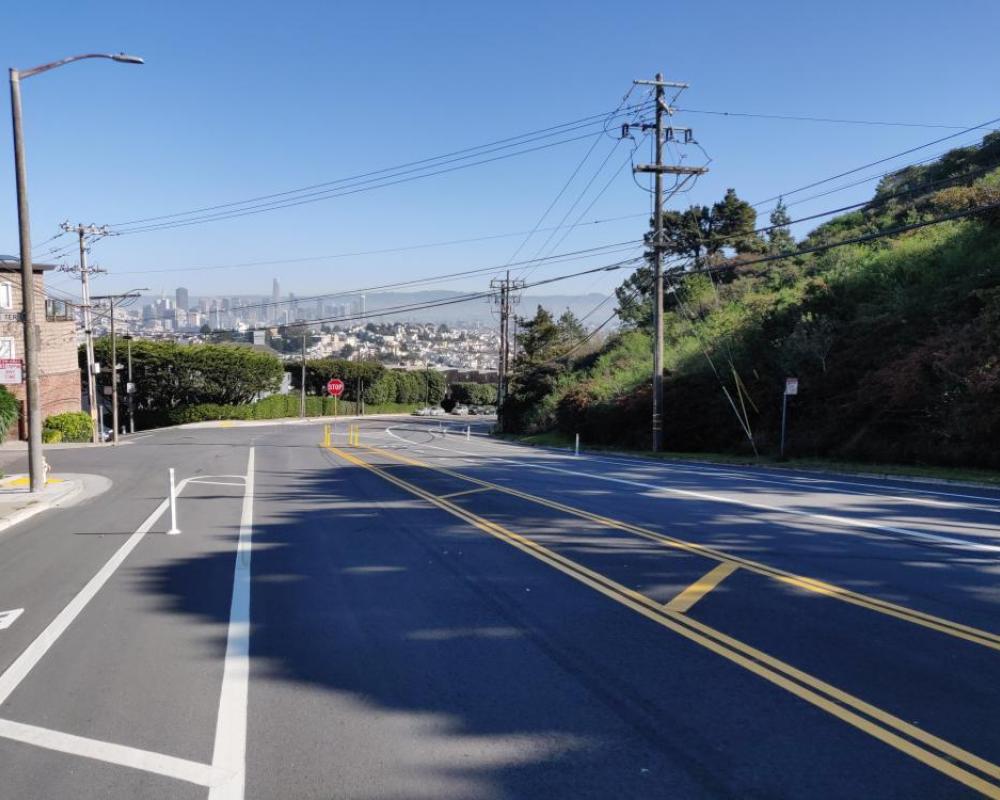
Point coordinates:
[(115, 300), (302, 389), (659, 169), (82, 231), (505, 300)]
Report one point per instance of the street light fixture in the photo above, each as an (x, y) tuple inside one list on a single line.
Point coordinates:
[(36, 461)]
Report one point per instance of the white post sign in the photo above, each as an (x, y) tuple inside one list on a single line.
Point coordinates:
[(791, 386), (11, 370)]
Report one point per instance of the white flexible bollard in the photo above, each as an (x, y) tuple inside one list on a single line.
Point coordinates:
[(173, 506), (576, 449)]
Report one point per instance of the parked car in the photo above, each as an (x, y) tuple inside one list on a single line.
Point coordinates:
[(426, 411), (460, 410), (437, 412)]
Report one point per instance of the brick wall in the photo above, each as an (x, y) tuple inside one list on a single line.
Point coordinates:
[(58, 367)]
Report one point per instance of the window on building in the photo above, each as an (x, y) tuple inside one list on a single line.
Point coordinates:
[(6, 296), (7, 347), (57, 310)]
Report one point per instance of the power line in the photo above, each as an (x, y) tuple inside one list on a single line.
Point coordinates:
[(364, 182), (359, 253), (877, 162), (854, 240), (554, 259), (421, 306), (797, 118)]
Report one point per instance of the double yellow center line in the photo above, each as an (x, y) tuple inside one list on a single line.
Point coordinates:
[(949, 759), (966, 632)]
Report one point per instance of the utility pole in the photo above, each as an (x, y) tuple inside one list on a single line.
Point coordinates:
[(86, 271), (302, 390), (115, 300), (659, 169), (130, 386), (505, 300), (502, 301)]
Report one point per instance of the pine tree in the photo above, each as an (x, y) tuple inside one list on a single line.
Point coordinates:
[(779, 238)]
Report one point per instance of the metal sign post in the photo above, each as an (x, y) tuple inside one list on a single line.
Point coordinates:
[(791, 388)]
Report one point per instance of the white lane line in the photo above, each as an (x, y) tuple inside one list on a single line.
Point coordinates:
[(25, 662), (837, 520), (158, 763), (231, 724), (776, 477), (7, 617)]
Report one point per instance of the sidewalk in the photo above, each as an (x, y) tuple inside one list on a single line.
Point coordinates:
[(17, 503)]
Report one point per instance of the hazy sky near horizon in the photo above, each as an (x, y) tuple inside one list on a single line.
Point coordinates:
[(238, 100)]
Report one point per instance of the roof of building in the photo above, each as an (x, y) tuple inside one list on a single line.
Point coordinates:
[(13, 264)]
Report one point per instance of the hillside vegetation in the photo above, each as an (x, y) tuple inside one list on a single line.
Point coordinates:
[(895, 341)]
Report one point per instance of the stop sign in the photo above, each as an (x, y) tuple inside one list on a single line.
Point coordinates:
[(335, 387)]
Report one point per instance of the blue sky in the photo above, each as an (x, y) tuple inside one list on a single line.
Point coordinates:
[(242, 99)]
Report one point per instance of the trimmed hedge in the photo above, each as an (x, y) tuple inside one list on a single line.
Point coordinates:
[(75, 426), (51, 436), (278, 406)]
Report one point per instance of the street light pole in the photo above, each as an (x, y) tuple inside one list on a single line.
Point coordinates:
[(36, 460)]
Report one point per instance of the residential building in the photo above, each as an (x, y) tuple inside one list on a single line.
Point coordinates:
[(58, 365)]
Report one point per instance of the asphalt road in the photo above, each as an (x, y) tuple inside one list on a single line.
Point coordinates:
[(423, 614)]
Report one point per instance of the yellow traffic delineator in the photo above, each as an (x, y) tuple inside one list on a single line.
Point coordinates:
[(326, 436)]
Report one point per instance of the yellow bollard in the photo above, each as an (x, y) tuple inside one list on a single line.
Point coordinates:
[(326, 436)]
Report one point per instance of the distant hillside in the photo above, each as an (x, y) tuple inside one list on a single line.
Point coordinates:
[(895, 340)]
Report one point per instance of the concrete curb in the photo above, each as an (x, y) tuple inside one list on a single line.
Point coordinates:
[(257, 423), (40, 505)]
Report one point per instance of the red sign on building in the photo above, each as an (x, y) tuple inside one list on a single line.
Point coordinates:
[(11, 370)]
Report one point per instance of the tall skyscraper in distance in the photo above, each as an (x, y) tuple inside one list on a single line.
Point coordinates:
[(181, 295), (275, 291)]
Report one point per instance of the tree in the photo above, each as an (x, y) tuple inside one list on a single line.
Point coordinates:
[(168, 375), (536, 368), (732, 224), (703, 236), (571, 330), (205, 329), (779, 238)]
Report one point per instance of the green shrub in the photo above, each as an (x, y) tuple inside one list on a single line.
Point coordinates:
[(9, 410), (476, 394), (51, 436), (75, 426)]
